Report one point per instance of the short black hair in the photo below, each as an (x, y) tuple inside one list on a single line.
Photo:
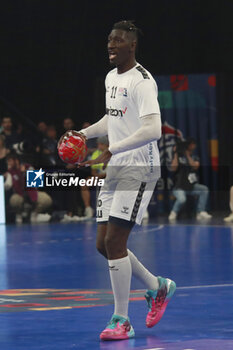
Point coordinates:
[(128, 26), (190, 141)]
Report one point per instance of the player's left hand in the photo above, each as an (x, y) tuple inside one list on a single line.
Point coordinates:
[(103, 158)]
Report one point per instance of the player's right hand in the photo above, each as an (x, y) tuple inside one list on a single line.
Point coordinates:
[(70, 133), (103, 158)]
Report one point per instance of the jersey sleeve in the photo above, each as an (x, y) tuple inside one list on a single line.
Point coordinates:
[(146, 97)]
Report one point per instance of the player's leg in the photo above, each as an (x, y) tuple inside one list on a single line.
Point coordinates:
[(131, 206), (138, 270), (142, 273), (124, 208), (119, 263), (120, 271), (100, 238), (103, 206), (128, 207), (150, 281), (119, 326), (124, 211), (160, 290)]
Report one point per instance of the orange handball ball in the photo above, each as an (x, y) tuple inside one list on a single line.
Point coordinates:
[(73, 150)]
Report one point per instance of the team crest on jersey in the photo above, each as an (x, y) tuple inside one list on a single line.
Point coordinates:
[(122, 92)]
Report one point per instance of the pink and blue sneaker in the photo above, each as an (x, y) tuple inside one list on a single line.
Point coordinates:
[(118, 328), (157, 300)]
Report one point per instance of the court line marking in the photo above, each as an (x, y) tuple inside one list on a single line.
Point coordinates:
[(199, 225), (207, 286), (152, 229), (199, 287)]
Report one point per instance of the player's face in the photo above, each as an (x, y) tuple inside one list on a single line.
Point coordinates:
[(121, 46), (42, 127), (52, 134)]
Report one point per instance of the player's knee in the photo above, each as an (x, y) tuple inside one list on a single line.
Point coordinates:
[(101, 249), (110, 244), (114, 247), (107, 241)]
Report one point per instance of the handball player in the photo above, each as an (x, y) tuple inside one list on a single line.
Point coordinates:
[(133, 125)]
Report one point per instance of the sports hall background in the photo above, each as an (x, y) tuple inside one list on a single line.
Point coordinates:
[(53, 58)]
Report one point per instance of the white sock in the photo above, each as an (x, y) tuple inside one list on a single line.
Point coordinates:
[(140, 272), (120, 273)]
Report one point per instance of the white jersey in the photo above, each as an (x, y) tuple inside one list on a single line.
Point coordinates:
[(129, 97)]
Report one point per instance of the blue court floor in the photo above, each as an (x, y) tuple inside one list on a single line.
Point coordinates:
[(55, 287)]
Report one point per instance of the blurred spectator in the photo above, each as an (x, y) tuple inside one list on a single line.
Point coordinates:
[(97, 169), (229, 218), (3, 154), (185, 166), (11, 136), (24, 200), (49, 147), (22, 133), (27, 140), (42, 127), (68, 124)]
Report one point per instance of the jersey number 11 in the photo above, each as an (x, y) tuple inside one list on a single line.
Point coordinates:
[(114, 90)]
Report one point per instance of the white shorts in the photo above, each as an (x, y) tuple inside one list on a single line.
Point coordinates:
[(125, 199)]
